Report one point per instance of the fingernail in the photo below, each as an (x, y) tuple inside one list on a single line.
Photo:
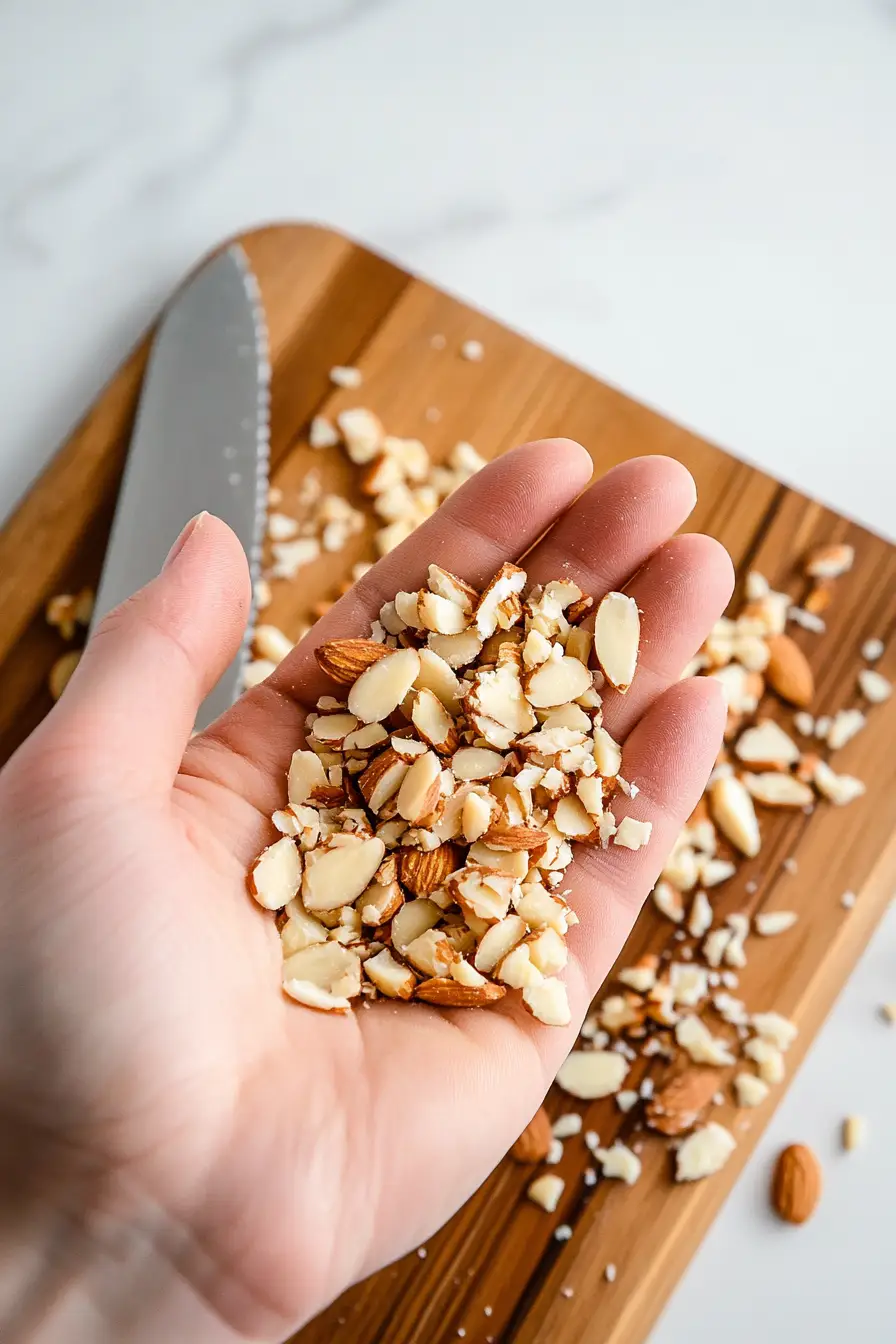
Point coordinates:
[(183, 539)]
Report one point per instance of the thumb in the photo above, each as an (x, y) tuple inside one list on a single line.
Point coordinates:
[(151, 661)]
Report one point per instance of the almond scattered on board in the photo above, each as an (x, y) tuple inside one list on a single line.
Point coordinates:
[(676, 1108), (534, 1144), (788, 671), (431, 816), (796, 1184)]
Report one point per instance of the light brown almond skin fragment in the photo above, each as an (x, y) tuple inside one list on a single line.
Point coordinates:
[(796, 1184), (447, 993), (676, 1108), (345, 659), (788, 671), (534, 1144), (423, 871), (514, 838)]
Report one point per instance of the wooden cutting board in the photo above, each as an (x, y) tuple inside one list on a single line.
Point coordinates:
[(329, 301)]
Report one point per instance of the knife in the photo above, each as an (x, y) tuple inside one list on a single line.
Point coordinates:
[(200, 440)]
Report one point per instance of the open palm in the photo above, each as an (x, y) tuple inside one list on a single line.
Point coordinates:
[(152, 1075)]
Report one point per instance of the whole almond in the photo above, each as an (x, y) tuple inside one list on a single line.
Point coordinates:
[(788, 671), (345, 659), (534, 1144), (676, 1108), (796, 1184), (423, 871)]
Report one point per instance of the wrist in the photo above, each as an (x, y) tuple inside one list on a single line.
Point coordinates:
[(83, 1263)]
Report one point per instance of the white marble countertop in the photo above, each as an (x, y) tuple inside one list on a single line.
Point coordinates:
[(697, 201)]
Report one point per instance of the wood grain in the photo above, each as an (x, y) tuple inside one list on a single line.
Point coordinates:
[(330, 301)]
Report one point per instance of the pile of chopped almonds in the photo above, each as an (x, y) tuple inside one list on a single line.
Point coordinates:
[(430, 818), (680, 1008)]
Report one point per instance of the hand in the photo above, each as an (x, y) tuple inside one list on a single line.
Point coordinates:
[(214, 1160)]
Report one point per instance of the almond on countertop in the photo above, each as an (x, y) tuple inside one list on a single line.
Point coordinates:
[(796, 1184)]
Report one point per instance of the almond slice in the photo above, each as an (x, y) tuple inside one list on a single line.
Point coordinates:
[(382, 779), (482, 892), (333, 729), (301, 930), (412, 920), (305, 775), (476, 816), (440, 614), (420, 789), (695, 1038), (547, 951), (329, 967), (445, 584), (619, 1163), (276, 874), (733, 811), (776, 1028), (838, 789), (381, 688), (617, 634), (572, 820), (556, 682), (874, 686), (345, 659), (768, 923), (380, 901), (431, 953), (433, 722), (589, 1074), (446, 992), (435, 675), (362, 433), (768, 1057), (545, 1191), (668, 901), (749, 1090), (498, 941), (700, 917), (391, 978), (632, 834), (767, 745), (457, 650), (777, 789), (474, 763), (829, 561), (513, 838), (312, 996), (607, 754), (704, 1153), (548, 1002), (507, 583), (337, 875)]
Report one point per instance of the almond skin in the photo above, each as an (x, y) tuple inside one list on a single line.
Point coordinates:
[(515, 838), (676, 1108), (788, 671), (534, 1144), (796, 1184), (345, 659), (422, 871), (447, 993)]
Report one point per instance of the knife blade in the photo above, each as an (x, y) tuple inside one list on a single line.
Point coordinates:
[(200, 439)]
